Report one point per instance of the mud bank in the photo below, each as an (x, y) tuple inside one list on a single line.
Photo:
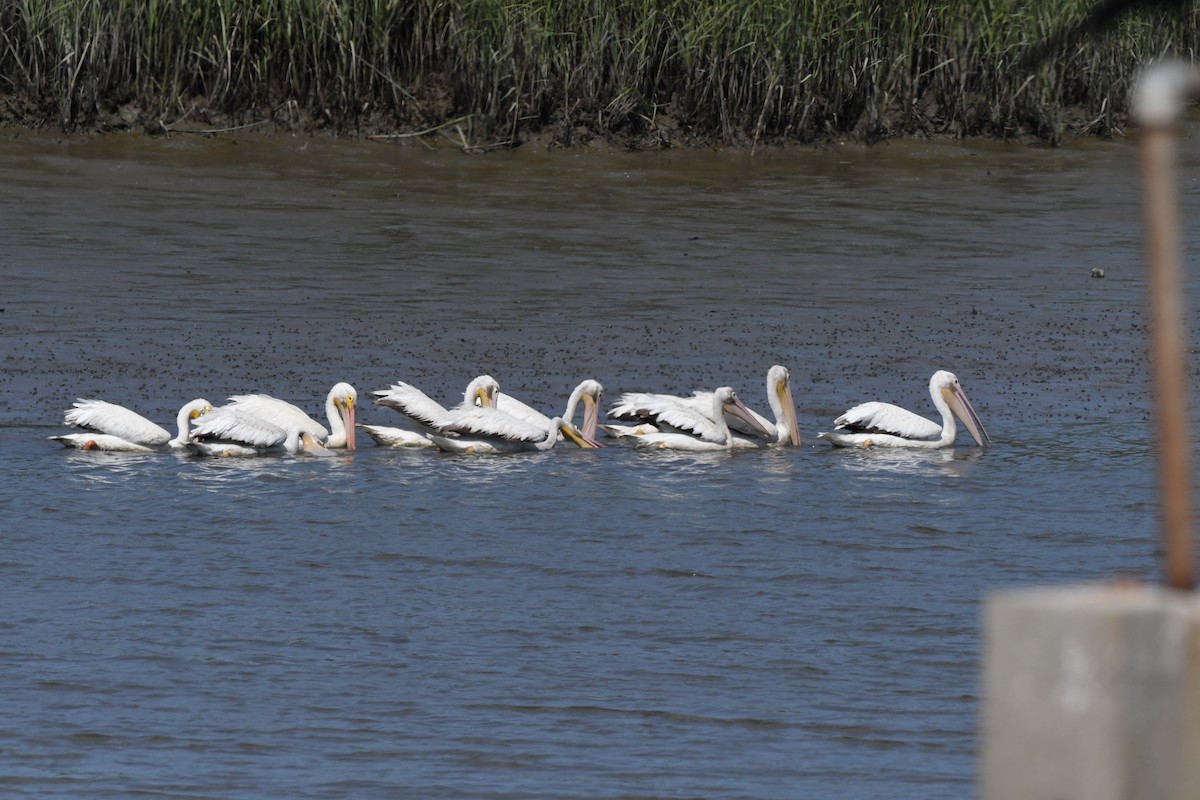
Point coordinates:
[(663, 132)]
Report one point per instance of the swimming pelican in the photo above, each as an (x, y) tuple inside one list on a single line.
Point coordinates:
[(588, 392), (711, 435), (339, 409), (117, 428), (671, 411), (885, 425), (230, 431), (424, 412)]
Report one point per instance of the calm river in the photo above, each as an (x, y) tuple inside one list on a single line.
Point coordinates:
[(595, 624)]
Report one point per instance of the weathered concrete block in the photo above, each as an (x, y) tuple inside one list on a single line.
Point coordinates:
[(1091, 693)]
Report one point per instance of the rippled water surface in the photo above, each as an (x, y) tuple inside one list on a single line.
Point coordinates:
[(601, 624)]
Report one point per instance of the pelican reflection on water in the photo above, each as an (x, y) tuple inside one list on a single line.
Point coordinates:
[(947, 461)]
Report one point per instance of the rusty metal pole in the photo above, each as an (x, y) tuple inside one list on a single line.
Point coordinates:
[(1161, 94)]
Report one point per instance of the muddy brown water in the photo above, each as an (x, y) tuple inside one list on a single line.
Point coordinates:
[(597, 624)]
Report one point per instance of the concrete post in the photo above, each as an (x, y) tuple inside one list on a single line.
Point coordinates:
[(1091, 693)]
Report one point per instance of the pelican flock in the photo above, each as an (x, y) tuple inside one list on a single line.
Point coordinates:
[(489, 421)]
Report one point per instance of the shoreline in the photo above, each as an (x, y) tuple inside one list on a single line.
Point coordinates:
[(454, 134)]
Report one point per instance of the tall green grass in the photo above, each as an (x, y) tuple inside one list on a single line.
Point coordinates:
[(502, 70)]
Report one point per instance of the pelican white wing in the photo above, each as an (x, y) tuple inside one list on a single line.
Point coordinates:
[(411, 402), (492, 422), (523, 411), (876, 417), (118, 421), (427, 412), (231, 424), (489, 444), (280, 413), (675, 413)]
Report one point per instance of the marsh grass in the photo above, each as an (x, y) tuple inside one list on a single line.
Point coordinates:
[(651, 72)]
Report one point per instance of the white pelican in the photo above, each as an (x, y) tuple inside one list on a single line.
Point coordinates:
[(119, 429), (671, 411), (710, 435), (488, 430), (424, 412), (885, 425), (339, 409), (229, 431), (588, 392)]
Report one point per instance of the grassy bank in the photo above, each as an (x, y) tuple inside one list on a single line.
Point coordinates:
[(648, 72)]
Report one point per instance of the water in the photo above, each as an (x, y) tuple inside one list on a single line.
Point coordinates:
[(799, 623)]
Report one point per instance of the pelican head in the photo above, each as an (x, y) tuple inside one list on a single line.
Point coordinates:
[(588, 392), (342, 404), (946, 385), (190, 412), (779, 390), (481, 391), (728, 402), (580, 438), (197, 408)]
